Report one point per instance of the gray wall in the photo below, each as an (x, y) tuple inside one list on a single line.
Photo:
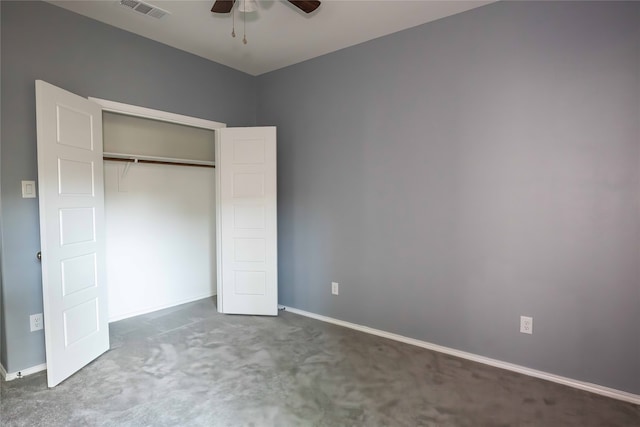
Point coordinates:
[(41, 41), (457, 175)]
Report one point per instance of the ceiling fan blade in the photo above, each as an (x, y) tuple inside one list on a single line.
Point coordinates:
[(222, 6), (307, 6)]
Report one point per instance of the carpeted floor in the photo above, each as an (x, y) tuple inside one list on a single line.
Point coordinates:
[(190, 366)]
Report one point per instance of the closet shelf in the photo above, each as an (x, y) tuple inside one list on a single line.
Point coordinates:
[(135, 158)]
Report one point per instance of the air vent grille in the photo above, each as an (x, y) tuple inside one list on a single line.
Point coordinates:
[(144, 8), (156, 13)]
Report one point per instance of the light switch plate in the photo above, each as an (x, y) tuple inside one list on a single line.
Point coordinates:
[(28, 189), (335, 288)]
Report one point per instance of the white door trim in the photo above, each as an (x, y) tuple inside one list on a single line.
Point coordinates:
[(150, 113), (164, 116)]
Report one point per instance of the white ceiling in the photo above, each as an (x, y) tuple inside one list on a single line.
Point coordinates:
[(278, 33)]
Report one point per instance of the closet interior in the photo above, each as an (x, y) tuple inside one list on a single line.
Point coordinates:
[(159, 212)]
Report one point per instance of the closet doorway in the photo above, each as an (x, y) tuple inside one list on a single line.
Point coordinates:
[(159, 183), (71, 192)]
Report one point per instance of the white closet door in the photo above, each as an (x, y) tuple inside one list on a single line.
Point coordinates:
[(71, 194), (247, 221)]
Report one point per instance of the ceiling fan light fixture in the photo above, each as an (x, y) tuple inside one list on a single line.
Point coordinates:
[(247, 6)]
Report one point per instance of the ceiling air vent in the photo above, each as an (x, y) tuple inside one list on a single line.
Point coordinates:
[(144, 8)]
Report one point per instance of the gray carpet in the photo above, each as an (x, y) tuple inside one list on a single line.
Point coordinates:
[(189, 366)]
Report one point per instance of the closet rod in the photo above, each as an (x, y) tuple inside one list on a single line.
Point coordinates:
[(157, 162)]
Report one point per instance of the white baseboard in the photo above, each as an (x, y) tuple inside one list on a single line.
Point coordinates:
[(10, 376), (581, 385), (147, 310)]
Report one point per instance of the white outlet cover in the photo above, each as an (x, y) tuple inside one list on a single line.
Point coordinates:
[(526, 325), (35, 321), (335, 288)]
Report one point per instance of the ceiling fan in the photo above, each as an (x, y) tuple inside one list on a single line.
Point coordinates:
[(225, 6)]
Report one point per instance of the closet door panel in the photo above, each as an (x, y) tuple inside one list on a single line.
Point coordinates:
[(247, 222), (71, 198)]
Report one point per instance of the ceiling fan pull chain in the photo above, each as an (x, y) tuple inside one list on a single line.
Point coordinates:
[(233, 25), (244, 36)]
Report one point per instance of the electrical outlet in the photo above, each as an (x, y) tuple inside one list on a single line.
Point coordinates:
[(36, 322), (335, 288), (526, 325)]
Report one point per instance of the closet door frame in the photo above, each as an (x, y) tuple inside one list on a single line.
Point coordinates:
[(148, 113)]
